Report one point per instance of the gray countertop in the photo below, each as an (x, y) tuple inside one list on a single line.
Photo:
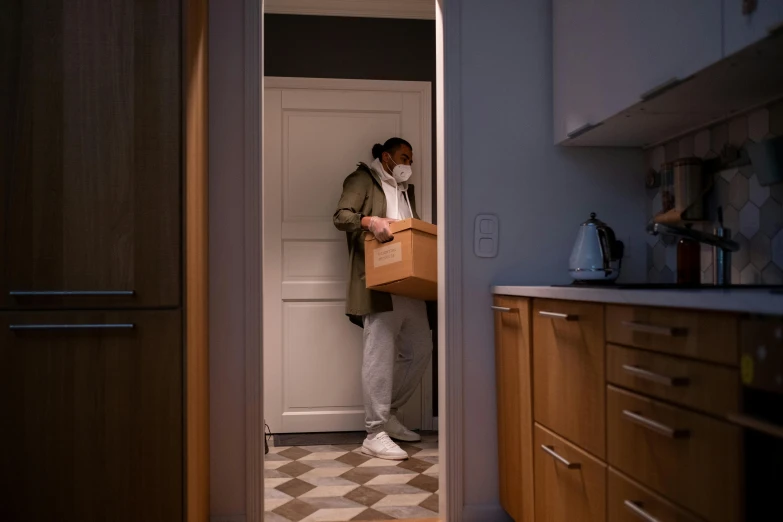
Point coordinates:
[(751, 300)]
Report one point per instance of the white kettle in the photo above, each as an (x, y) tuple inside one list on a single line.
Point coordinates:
[(597, 254)]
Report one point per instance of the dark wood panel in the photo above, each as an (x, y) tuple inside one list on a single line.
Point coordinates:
[(92, 418), (91, 198)]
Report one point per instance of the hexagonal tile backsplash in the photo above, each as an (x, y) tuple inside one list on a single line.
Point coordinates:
[(754, 213)]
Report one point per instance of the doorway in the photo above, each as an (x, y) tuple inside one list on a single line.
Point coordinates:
[(247, 162), (315, 132)]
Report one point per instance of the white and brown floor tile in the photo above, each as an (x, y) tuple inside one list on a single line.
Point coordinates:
[(339, 483)]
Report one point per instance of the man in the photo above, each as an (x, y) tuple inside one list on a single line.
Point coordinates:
[(397, 336)]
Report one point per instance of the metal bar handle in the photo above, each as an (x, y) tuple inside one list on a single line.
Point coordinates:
[(655, 377), (654, 426), (71, 293), (551, 450), (505, 310), (755, 424), (653, 329), (636, 509), (557, 315), (108, 326), (584, 129), (660, 89)]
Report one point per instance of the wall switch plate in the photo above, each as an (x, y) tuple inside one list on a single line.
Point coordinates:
[(485, 236)]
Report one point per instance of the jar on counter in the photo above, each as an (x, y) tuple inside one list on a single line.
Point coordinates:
[(688, 261)]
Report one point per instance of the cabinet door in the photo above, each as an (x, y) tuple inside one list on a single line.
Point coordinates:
[(90, 160), (92, 411), (576, 86), (569, 361), (513, 361), (570, 484), (741, 30), (609, 53)]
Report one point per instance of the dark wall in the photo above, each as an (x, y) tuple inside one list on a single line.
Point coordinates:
[(356, 48)]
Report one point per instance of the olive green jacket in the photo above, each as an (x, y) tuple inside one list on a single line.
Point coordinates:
[(362, 196)]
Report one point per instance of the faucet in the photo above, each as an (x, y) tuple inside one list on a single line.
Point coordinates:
[(722, 245)]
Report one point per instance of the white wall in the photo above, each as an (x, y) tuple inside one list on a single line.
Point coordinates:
[(540, 193), (226, 260)]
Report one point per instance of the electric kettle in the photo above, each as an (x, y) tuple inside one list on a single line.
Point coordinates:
[(597, 254)]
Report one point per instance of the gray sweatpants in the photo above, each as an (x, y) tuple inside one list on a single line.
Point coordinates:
[(397, 349)]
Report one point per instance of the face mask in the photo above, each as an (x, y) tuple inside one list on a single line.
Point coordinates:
[(401, 173)]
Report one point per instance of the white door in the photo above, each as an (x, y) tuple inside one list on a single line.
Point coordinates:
[(315, 132)]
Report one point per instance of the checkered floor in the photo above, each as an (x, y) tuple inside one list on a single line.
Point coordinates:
[(339, 483)]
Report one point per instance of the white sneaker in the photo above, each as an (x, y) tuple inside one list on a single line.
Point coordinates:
[(397, 431), (382, 447)]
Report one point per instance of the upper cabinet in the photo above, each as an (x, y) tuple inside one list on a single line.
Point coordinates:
[(742, 29), (609, 54), (90, 165), (624, 71)]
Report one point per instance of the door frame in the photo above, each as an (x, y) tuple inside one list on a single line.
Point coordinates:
[(424, 158), (449, 204)]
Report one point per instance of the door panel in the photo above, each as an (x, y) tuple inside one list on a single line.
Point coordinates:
[(92, 417), (315, 134), (91, 183)]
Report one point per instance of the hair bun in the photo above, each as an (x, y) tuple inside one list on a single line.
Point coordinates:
[(377, 150)]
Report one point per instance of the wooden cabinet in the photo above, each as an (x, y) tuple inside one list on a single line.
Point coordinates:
[(568, 381), (514, 401), (690, 458), (741, 30), (629, 501), (699, 335), (702, 386), (570, 483), (91, 156), (610, 54), (93, 422), (98, 164)]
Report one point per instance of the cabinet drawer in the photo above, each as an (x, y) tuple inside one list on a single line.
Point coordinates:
[(631, 502), (699, 335), (568, 381), (570, 484), (702, 386), (687, 457)]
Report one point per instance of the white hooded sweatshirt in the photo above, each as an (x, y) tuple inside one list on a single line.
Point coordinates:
[(398, 206)]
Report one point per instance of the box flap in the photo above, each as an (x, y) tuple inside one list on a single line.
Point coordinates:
[(406, 224)]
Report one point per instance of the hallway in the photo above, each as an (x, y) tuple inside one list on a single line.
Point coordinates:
[(339, 483)]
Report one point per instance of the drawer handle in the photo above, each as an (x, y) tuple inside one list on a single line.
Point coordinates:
[(551, 450), (556, 315), (755, 424), (656, 427), (584, 129), (655, 329), (505, 310), (118, 326), (656, 91), (636, 509), (655, 377), (72, 293)]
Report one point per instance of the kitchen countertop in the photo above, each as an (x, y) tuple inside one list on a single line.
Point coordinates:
[(751, 300)]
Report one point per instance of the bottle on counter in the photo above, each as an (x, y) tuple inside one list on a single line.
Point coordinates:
[(688, 261)]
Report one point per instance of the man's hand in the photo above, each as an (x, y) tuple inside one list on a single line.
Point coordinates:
[(380, 228)]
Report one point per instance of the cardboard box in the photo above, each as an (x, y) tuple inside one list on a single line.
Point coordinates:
[(406, 265)]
